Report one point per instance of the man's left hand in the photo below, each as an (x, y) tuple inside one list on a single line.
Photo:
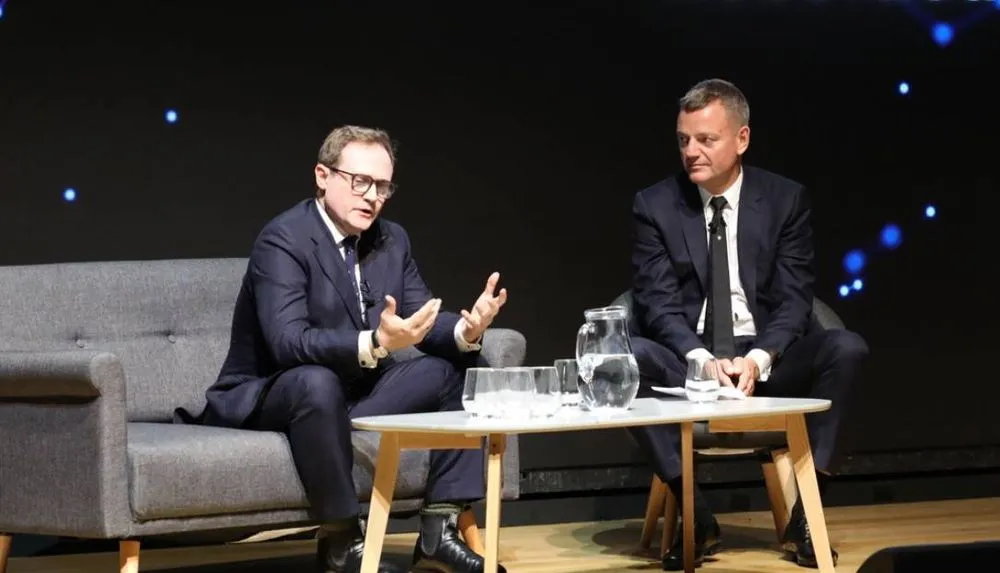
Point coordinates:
[(483, 311), (748, 373)]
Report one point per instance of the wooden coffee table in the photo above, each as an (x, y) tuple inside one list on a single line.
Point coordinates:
[(460, 430)]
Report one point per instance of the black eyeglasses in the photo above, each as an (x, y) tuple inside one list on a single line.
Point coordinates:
[(360, 183)]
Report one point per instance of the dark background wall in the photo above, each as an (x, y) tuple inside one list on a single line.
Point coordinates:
[(525, 128)]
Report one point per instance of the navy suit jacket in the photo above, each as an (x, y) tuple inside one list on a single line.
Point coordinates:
[(296, 306), (671, 264)]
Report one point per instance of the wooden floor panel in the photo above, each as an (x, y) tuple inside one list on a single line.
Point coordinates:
[(750, 544)]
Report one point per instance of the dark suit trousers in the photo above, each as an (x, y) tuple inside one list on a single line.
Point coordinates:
[(822, 364), (315, 407)]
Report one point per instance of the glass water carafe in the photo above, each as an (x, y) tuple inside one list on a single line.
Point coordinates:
[(609, 374)]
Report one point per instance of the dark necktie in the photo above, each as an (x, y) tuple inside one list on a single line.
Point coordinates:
[(719, 314), (351, 259)]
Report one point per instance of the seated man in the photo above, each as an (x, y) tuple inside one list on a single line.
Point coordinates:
[(723, 261), (331, 290)]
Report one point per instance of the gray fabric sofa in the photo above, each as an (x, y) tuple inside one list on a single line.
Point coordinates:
[(95, 357)]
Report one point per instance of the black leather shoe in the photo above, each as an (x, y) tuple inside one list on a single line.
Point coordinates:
[(707, 541), (341, 551), (797, 539), (439, 548)]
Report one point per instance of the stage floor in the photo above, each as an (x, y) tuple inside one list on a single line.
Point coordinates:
[(750, 544)]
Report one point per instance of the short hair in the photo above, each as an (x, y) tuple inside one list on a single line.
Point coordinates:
[(707, 91), (337, 140)]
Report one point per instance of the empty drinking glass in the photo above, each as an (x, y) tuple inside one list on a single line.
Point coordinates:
[(702, 381), (481, 394), (518, 391), (545, 401), (569, 385)]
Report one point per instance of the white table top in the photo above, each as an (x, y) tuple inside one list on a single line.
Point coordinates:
[(644, 411)]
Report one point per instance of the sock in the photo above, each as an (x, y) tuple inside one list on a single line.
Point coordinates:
[(823, 480), (443, 508), (702, 512), (339, 525)]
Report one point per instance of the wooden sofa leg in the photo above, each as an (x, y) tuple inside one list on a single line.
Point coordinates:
[(470, 532), (654, 508), (128, 556), (5, 542), (779, 477)]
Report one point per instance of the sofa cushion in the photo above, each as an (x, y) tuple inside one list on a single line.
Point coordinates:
[(168, 321), (178, 470)]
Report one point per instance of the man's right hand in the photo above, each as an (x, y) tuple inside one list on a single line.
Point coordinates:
[(395, 332), (725, 371)]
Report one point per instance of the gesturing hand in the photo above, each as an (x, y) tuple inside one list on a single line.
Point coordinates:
[(395, 332), (485, 309)]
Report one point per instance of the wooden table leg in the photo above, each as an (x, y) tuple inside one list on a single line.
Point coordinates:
[(386, 467), (687, 483), (494, 473), (805, 476)]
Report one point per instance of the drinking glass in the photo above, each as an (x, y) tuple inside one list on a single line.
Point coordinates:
[(546, 399), (702, 381), (482, 390), (518, 391), (569, 385)]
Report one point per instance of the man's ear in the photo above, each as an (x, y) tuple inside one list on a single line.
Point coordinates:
[(321, 173), (743, 139)]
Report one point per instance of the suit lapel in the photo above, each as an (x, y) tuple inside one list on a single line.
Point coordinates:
[(747, 236), (695, 230), (334, 267)]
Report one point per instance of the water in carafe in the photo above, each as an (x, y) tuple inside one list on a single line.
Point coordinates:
[(609, 374)]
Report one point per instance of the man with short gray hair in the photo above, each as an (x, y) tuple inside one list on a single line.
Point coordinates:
[(723, 262)]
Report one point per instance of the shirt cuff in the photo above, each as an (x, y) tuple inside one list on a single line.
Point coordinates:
[(763, 360), (698, 353), (365, 356), (463, 345)]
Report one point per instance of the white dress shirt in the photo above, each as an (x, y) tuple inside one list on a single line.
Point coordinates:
[(743, 324), (365, 356)]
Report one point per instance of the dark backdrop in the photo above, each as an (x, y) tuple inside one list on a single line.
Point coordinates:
[(525, 128)]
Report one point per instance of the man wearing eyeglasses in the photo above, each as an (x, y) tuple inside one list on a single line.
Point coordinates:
[(331, 291)]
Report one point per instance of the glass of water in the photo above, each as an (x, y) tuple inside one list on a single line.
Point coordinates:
[(702, 381)]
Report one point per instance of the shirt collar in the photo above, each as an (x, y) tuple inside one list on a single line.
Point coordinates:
[(732, 194), (338, 237)]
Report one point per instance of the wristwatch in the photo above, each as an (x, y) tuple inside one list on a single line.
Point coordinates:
[(378, 351)]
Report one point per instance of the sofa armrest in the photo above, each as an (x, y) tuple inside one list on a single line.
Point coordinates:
[(503, 347), (63, 444)]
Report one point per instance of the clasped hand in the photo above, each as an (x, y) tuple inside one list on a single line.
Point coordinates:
[(395, 332), (740, 372)]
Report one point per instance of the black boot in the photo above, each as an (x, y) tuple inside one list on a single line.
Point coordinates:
[(707, 541), (797, 539), (341, 551), (439, 547)]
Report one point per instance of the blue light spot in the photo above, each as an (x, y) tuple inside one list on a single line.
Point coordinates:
[(69, 194), (854, 261), (891, 236), (844, 290), (858, 284), (1, 11), (942, 33), (930, 211), (904, 88), (171, 116)]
